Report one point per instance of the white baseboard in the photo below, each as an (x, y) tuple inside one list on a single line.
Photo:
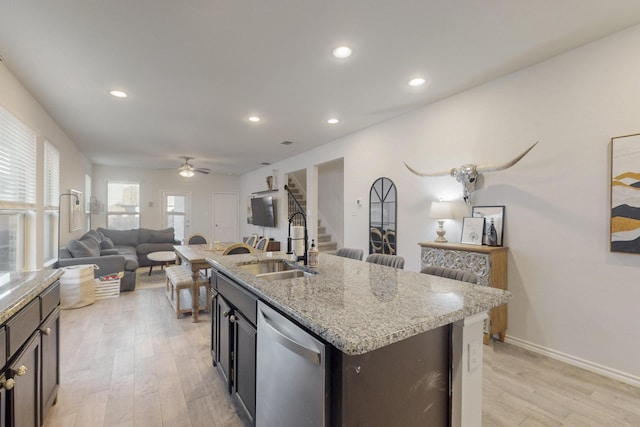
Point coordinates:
[(576, 361)]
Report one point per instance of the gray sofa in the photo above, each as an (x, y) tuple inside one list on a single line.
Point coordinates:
[(118, 250)]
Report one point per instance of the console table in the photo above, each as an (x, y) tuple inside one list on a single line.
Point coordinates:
[(488, 263)]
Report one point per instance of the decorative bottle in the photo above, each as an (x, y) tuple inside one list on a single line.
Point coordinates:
[(492, 235), (314, 258)]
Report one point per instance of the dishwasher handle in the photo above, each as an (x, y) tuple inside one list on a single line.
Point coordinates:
[(305, 352)]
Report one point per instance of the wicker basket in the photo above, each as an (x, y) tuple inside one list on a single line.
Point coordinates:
[(107, 287)]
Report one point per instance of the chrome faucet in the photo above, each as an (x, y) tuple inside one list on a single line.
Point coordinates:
[(306, 237)]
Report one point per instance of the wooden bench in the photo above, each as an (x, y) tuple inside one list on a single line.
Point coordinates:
[(179, 287)]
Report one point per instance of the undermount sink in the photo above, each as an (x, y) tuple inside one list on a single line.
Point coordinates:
[(275, 270), (263, 267), (280, 275)]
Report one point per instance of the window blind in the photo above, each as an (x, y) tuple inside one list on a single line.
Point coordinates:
[(17, 162), (51, 176)]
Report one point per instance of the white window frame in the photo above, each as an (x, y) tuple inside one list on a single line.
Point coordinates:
[(51, 196), (112, 203), (18, 171)]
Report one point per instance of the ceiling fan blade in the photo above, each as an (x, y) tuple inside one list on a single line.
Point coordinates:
[(203, 170)]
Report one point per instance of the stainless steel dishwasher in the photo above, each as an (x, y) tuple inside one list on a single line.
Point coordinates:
[(291, 374)]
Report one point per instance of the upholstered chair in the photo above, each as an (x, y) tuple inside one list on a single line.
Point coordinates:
[(238, 248), (394, 261), (350, 253), (196, 239), (262, 244), (451, 273)]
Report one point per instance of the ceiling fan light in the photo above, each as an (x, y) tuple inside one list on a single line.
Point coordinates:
[(186, 172)]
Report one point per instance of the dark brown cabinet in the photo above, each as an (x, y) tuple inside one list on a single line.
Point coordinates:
[(244, 364), (233, 345), (23, 401), (30, 344), (223, 328), (50, 339)]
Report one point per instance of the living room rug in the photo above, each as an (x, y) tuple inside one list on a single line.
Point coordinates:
[(158, 279)]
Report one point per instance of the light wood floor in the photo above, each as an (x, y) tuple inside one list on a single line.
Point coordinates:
[(128, 361)]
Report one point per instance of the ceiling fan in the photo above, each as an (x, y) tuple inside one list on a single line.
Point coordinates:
[(187, 170)]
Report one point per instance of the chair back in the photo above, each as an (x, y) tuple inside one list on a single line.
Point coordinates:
[(394, 261), (252, 240), (350, 253), (262, 244), (196, 239), (451, 273), (238, 248)]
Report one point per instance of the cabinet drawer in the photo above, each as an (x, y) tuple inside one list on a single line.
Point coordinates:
[(21, 326), (49, 300), (238, 297)]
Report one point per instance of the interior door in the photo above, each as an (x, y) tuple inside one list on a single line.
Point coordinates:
[(176, 212), (225, 217)]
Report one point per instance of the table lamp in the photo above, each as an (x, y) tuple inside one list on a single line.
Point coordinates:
[(441, 211)]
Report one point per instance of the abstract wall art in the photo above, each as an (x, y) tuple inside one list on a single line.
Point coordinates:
[(625, 194)]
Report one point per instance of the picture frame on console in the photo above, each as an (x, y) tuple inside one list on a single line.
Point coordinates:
[(488, 213), (472, 230)]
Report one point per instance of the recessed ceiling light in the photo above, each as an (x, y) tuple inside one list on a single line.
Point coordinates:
[(254, 119), (342, 52), (333, 121), (419, 81), (118, 93)]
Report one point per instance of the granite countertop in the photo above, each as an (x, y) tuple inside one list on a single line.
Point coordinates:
[(18, 289), (359, 307)]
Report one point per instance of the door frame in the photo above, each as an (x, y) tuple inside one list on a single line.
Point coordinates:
[(213, 213), (187, 209)]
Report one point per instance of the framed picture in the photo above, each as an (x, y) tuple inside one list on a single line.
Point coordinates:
[(76, 211), (625, 194), (472, 229), (495, 213)]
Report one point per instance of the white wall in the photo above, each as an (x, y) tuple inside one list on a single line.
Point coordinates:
[(73, 164), (572, 297), (154, 182), (331, 199)]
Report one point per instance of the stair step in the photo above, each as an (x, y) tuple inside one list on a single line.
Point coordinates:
[(322, 230), (322, 238), (327, 246)]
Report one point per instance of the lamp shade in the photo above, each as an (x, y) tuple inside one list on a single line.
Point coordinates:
[(441, 210)]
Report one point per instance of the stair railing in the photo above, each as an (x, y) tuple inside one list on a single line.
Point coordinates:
[(292, 207)]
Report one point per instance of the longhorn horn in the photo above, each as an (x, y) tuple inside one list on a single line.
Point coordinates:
[(441, 173), (494, 168)]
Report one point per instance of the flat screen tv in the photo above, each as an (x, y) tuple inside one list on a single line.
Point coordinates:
[(264, 211)]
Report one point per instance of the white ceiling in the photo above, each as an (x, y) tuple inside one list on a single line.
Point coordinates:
[(195, 70)]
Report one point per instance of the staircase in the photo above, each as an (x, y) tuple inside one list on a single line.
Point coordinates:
[(323, 240)]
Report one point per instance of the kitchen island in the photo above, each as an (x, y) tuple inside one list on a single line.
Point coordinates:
[(394, 337), (29, 345)]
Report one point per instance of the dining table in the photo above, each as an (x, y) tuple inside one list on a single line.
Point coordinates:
[(195, 257)]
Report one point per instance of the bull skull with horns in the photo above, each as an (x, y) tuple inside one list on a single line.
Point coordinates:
[(468, 174)]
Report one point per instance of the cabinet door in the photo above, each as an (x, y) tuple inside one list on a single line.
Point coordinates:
[(244, 382), (224, 339), (23, 400), (50, 357), (215, 333), (3, 404)]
